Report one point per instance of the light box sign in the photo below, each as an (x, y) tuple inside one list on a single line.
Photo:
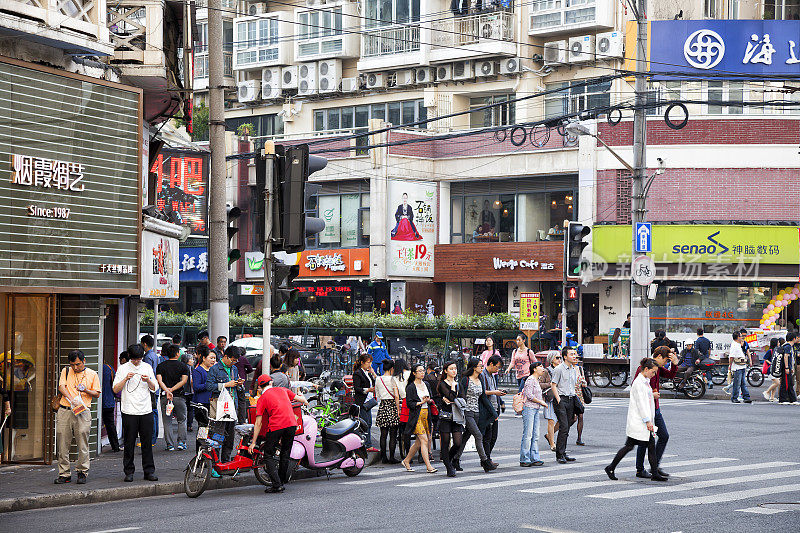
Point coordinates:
[(160, 267), (69, 182), (182, 186), (194, 263), (411, 222)]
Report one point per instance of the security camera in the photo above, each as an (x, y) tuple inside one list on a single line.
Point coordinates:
[(661, 166)]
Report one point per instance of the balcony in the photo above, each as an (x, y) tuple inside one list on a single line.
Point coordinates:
[(75, 26), (260, 41), (480, 35), (390, 47), (320, 33), (201, 67), (553, 17)]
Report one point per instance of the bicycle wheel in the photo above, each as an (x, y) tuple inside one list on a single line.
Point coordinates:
[(601, 377), (197, 476), (754, 377), (262, 476), (719, 375), (619, 378)]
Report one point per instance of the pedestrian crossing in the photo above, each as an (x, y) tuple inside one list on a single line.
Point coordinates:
[(693, 482), (617, 403)]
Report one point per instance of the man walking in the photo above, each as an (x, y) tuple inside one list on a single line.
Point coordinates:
[(564, 382), (244, 368), (172, 375), (110, 402), (152, 359), (135, 382), (662, 356), (489, 380), (783, 368), (377, 349), (224, 375), (703, 345), (737, 364), (78, 386)]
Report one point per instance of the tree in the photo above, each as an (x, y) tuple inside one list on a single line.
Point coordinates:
[(200, 122)]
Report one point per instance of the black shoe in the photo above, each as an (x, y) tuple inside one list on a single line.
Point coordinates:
[(748, 401), (81, 478), (150, 477), (385, 460), (116, 450), (580, 443), (569, 459), (610, 473), (394, 461), (128, 478), (662, 473), (457, 465), (526, 464), (274, 489), (487, 465), (658, 477), (561, 460), (644, 474), (60, 480), (735, 401)]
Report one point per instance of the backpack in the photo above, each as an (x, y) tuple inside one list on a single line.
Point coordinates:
[(519, 403)]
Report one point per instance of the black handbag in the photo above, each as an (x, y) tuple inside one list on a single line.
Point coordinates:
[(578, 407), (586, 392), (445, 415)]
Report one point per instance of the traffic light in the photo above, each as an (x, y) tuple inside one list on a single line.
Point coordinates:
[(282, 291), (297, 166), (571, 297), (233, 253), (574, 264)]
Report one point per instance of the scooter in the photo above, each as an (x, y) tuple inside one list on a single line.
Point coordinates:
[(343, 445)]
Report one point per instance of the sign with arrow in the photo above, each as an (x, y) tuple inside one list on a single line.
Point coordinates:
[(643, 237)]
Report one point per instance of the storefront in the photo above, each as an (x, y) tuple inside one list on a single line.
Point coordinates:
[(71, 196)]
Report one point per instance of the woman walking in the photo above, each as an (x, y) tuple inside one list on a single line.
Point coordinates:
[(553, 360), (292, 362), (401, 376), (521, 361), (363, 387), (769, 394), (418, 400), (388, 418), (491, 349), (534, 403), (641, 414), (479, 412), (448, 427), (579, 394)]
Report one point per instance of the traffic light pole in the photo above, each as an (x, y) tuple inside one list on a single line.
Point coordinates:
[(266, 320)]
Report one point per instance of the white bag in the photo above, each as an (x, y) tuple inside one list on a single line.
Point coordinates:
[(225, 406)]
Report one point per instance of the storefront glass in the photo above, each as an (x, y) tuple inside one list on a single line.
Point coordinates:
[(682, 308), (27, 327)]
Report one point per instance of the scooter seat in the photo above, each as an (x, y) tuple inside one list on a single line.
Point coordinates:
[(339, 429), (244, 430)]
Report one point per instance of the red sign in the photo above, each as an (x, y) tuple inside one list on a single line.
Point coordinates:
[(182, 186), (322, 290), (334, 263)]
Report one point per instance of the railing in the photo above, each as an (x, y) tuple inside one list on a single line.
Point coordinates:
[(82, 16), (472, 29), (391, 40), (201, 63)]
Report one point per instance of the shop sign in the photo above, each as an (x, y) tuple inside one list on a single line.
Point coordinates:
[(251, 290), (704, 243), (411, 220), (529, 311), (160, 266), (182, 186), (397, 291), (117, 269), (511, 264), (325, 290), (254, 265), (330, 262), (31, 171), (194, 264), (334, 263)]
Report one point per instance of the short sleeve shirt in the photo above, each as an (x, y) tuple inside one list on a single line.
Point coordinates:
[(565, 378), (276, 405), (171, 372), (88, 378)]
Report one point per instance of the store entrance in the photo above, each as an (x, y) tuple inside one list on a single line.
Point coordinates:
[(590, 317)]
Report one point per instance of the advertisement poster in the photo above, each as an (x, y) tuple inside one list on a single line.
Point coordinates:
[(411, 220), (529, 311), (182, 186), (398, 297), (160, 266)]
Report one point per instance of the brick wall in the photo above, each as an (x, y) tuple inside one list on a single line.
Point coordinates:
[(715, 131)]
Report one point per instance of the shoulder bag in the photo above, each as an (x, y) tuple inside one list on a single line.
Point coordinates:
[(586, 392), (404, 412), (55, 403), (519, 402)]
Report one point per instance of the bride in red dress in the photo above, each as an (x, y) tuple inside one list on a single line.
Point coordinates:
[(405, 230)]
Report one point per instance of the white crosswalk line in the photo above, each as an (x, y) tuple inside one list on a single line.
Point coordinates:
[(761, 510), (706, 483), (402, 474), (497, 473), (688, 486), (383, 470), (740, 494), (574, 486), (571, 473)]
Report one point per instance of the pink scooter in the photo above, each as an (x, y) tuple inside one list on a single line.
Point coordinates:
[(343, 446)]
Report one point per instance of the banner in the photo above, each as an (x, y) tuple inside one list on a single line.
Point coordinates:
[(330, 212), (411, 214), (182, 186), (529, 311), (398, 297), (160, 266)]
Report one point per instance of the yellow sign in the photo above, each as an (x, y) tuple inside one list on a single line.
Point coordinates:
[(529, 311), (702, 244)]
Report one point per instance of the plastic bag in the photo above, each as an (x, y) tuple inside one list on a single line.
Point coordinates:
[(226, 409)]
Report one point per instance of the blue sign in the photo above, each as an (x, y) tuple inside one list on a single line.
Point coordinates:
[(194, 264), (755, 47), (643, 237)]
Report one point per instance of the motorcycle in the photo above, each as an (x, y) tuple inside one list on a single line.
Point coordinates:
[(693, 388)]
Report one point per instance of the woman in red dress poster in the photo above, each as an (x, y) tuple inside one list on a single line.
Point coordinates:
[(405, 230)]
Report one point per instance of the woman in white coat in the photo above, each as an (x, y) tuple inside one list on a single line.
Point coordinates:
[(641, 413)]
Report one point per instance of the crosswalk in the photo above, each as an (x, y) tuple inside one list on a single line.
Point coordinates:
[(615, 403), (694, 481)]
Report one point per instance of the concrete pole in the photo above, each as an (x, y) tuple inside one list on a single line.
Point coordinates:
[(266, 321), (217, 213), (640, 314)]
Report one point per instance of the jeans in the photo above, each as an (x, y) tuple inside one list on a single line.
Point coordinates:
[(650, 446), (490, 437), (565, 411), (155, 426), (739, 382), (529, 449), (179, 413), (111, 428), (521, 383), (137, 426), (366, 416), (472, 429), (661, 444)]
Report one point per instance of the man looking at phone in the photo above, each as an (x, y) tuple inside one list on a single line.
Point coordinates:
[(224, 375), (489, 379), (135, 381)]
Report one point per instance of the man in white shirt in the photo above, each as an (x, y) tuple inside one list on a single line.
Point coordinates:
[(135, 382), (737, 364)]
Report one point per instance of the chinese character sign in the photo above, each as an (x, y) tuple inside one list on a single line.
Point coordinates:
[(411, 221), (161, 265), (756, 47), (529, 311), (194, 263), (42, 173), (182, 186)]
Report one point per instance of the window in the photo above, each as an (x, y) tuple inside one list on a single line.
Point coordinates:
[(346, 216), (576, 98), (548, 14), (710, 11), (265, 125), (781, 10), (405, 112), (500, 115), (722, 98), (319, 31), (256, 41), (388, 12)]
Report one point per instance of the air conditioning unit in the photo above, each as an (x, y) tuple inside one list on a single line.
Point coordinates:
[(307, 79), (581, 49), (485, 68), (271, 83), (330, 75), (444, 72), (350, 85), (289, 77), (248, 91), (555, 53), (493, 29), (259, 8), (511, 65), (405, 77), (610, 44), (462, 70), (376, 80), (424, 75)]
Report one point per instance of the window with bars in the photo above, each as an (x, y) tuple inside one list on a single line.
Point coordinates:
[(623, 197)]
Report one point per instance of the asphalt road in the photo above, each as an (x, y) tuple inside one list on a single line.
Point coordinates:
[(734, 469)]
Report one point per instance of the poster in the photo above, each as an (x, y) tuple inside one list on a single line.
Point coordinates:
[(398, 297), (182, 186), (529, 311), (330, 212), (351, 203), (411, 223), (160, 266)]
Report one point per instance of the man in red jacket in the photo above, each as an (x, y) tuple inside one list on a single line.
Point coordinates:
[(662, 356)]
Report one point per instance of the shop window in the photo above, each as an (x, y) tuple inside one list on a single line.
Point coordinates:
[(346, 219)]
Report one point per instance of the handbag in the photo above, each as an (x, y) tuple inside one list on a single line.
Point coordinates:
[(369, 404), (446, 415), (578, 407), (404, 412), (55, 403), (518, 403), (433, 409), (586, 392)]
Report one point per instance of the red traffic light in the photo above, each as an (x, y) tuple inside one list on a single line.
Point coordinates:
[(571, 292)]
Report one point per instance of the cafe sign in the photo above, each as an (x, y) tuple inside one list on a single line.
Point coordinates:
[(511, 264)]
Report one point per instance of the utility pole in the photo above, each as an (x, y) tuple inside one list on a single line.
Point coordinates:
[(217, 214), (640, 314), (266, 320)]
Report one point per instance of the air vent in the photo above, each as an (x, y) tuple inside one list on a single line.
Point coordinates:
[(444, 73), (462, 70), (289, 77), (485, 68)]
